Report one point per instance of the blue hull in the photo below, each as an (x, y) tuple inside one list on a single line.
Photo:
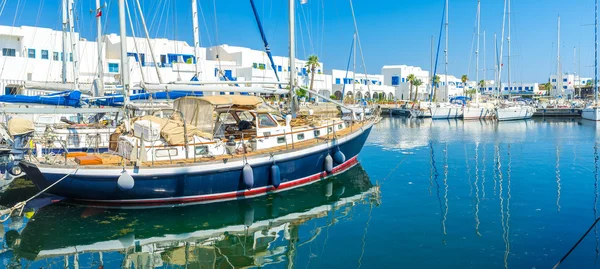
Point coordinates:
[(199, 183)]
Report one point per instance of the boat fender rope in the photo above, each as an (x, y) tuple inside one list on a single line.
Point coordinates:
[(6, 213)]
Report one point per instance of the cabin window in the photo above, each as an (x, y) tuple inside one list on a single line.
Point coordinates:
[(317, 133), (201, 150), (166, 152), (31, 53), (329, 129), (45, 54), (9, 52), (347, 124), (245, 115), (227, 118), (340, 127), (55, 56), (300, 136), (281, 140), (264, 120), (113, 67)]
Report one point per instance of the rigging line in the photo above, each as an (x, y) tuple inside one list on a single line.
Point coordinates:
[(435, 179), (155, 14), (299, 23), (468, 167), (20, 12), (501, 197), (364, 242), (205, 26), (483, 171), (360, 46), (558, 177), (3, 5), (308, 28), (472, 45), (217, 37), (434, 86), (596, 196), (322, 29)]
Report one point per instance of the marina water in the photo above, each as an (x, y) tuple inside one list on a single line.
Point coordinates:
[(426, 194)]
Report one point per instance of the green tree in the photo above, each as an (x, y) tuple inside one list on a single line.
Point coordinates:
[(548, 87), (482, 83), (311, 65), (411, 78), (436, 82), (464, 80), (301, 92), (589, 83), (417, 83)]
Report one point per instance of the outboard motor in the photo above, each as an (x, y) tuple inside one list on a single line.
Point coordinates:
[(22, 132)]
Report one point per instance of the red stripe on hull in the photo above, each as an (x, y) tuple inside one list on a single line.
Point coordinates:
[(225, 196)]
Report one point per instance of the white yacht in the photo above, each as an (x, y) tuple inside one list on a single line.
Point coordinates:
[(446, 111), (514, 112)]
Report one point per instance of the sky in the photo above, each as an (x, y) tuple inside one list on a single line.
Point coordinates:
[(391, 32)]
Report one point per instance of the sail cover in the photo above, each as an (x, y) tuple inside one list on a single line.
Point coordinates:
[(66, 98)]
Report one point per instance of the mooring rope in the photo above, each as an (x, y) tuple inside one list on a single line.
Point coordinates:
[(6, 213), (576, 244)]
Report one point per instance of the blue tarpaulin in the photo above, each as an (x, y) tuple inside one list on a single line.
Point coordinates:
[(117, 100), (460, 100), (66, 98)]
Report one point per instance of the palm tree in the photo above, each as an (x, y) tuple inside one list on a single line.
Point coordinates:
[(548, 87), (411, 78), (464, 80), (417, 83), (482, 83), (589, 83), (311, 65), (436, 82)]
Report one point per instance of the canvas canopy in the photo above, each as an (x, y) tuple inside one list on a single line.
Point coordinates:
[(19, 126), (172, 130), (198, 111)]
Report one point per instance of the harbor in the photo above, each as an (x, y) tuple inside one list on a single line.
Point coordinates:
[(299, 134)]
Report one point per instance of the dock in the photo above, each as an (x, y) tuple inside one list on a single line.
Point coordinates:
[(557, 112)]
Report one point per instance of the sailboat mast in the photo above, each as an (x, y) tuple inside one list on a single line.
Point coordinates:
[(99, 44), (558, 67), (484, 63), (596, 55), (446, 55), (292, 56), (124, 58), (496, 76), (508, 40), (64, 40), (73, 56), (354, 70), (196, 37), (477, 52), (431, 73)]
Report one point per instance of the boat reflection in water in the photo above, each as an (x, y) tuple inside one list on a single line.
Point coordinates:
[(244, 233)]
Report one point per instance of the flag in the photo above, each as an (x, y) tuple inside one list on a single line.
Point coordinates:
[(99, 13), (303, 2)]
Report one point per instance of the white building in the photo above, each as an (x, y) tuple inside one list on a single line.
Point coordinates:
[(396, 76), (566, 87), (360, 86), (517, 88)]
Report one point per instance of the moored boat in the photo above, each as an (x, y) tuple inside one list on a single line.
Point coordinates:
[(245, 152)]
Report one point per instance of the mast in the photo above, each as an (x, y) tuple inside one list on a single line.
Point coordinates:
[(124, 58), (496, 76), (431, 73), (446, 55), (160, 80), (558, 67), (99, 44), (477, 53), (484, 63), (292, 25), (354, 68), (508, 40), (65, 47), (73, 46), (596, 55), (196, 37)]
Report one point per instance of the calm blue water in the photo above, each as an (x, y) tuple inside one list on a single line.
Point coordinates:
[(441, 194)]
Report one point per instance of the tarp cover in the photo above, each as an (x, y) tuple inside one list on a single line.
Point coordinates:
[(66, 98), (19, 126), (117, 100), (198, 111), (172, 130)]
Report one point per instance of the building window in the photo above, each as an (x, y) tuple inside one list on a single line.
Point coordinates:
[(55, 56), (565, 87), (31, 53), (279, 68), (553, 80), (565, 80), (403, 80), (319, 71), (262, 66), (9, 52), (70, 57), (254, 65), (113, 67), (337, 81), (45, 54)]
